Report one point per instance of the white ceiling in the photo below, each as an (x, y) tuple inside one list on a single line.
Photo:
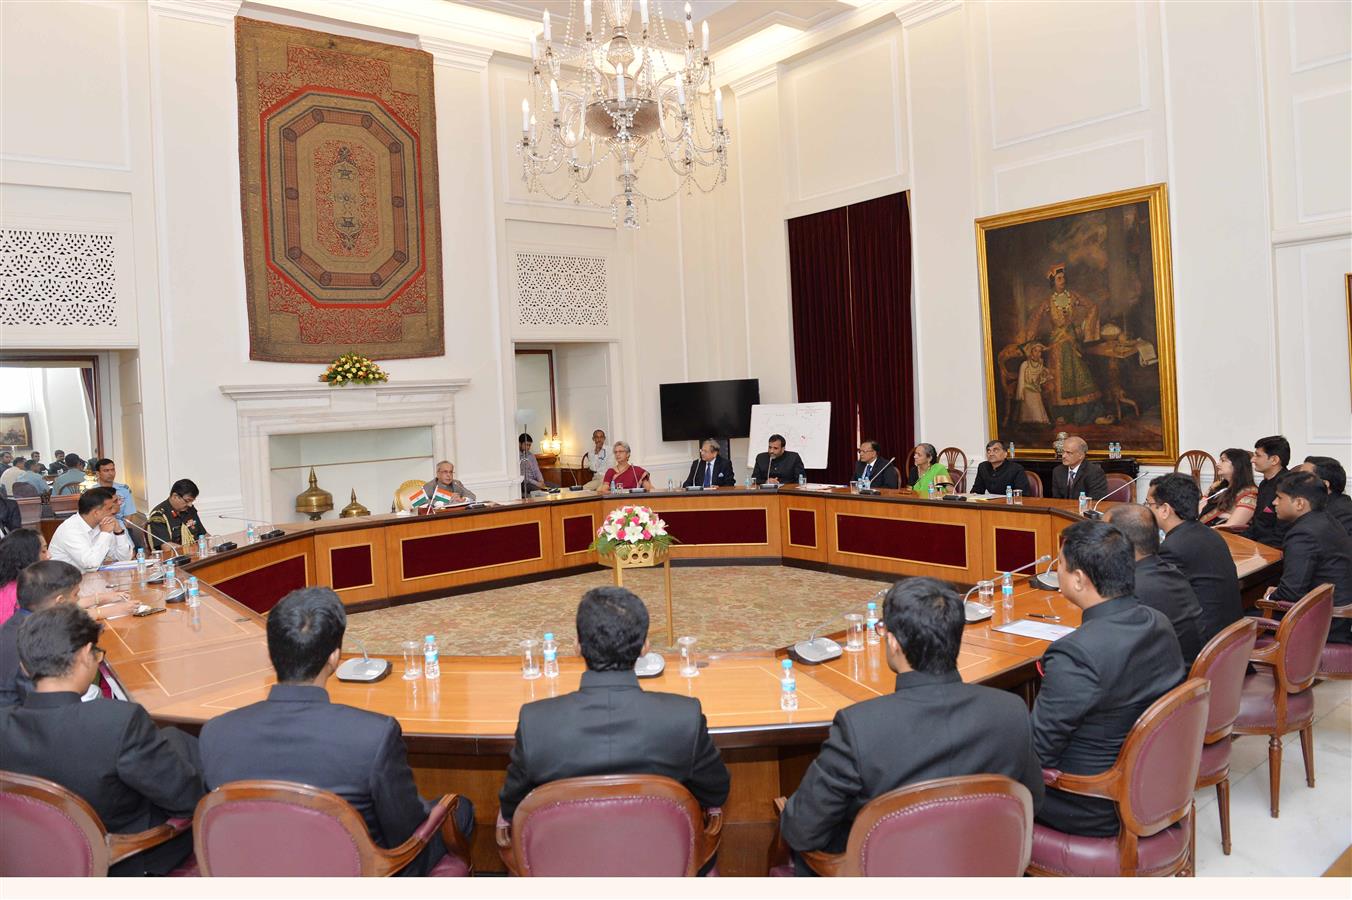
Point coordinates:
[(729, 20)]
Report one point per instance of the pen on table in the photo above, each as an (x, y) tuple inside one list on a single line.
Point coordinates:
[(1041, 616)]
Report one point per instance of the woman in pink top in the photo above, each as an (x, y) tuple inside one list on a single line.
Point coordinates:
[(19, 550), (622, 474)]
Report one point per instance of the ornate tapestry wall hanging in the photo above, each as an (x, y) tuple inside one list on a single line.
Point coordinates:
[(338, 178)]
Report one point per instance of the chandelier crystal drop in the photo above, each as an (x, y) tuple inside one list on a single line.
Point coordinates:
[(615, 97)]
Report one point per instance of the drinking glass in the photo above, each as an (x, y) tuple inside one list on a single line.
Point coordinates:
[(413, 659), (689, 662), (854, 632), (530, 659), (985, 592), (1018, 498)]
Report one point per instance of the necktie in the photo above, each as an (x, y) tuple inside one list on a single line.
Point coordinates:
[(708, 475), (868, 470)]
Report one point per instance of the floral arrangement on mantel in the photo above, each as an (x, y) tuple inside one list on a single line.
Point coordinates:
[(630, 529), (353, 369)]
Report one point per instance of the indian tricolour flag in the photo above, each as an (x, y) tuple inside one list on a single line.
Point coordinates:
[(443, 496), (417, 499)]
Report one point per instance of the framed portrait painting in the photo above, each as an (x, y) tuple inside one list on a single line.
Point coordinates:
[(16, 431), (1077, 303)]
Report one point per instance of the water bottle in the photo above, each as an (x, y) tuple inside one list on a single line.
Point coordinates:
[(932, 491), (431, 657), (788, 688), (550, 651), (194, 593), (202, 548), (802, 479), (865, 484), (614, 485), (249, 537), (1084, 502), (671, 484), (1007, 594), (169, 578), (141, 565), (871, 624), (1009, 495), (750, 483), (1011, 449)]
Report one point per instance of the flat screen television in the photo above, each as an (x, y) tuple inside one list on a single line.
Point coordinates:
[(694, 410)]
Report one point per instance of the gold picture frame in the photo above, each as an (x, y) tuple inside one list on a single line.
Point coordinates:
[(1078, 322)]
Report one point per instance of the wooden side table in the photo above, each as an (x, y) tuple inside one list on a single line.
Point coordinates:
[(641, 557)]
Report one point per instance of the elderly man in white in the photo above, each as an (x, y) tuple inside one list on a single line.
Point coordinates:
[(94, 535)]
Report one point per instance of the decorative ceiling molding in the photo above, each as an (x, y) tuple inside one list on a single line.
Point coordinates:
[(923, 10), (754, 81), (207, 12), (457, 55)]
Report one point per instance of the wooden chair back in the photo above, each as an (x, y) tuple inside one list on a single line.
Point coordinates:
[(1034, 484), (401, 493), (1224, 661), (1197, 462), (956, 461)]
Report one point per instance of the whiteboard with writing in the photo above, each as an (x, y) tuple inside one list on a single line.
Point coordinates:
[(806, 428)]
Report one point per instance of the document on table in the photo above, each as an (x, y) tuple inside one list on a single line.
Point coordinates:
[(1042, 631)]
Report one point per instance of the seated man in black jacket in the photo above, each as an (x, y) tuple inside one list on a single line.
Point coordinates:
[(1315, 551), (1198, 551), (297, 734), (710, 470), (133, 774), (777, 465), (1271, 456), (1159, 585), (1098, 679), (999, 472), (609, 725), (1334, 476), (932, 726)]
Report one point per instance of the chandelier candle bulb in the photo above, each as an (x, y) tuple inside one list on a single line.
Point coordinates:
[(534, 49), (704, 36), (525, 116), (619, 81), (718, 105), (680, 91), (586, 14), (549, 32), (554, 94), (643, 13)]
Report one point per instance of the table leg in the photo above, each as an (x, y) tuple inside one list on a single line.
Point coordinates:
[(671, 621), (619, 574)]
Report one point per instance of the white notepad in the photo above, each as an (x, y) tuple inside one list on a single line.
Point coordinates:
[(1042, 631)]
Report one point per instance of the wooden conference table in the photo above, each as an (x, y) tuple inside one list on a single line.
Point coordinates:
[(186, 666)]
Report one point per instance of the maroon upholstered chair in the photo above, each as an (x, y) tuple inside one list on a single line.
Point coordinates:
[(1197, 462), (50, 831), (1116, 481), (271, 829), (1224, 661), (1336, 661), (609, 825), (1034, 484), (924, 830), (1152, 784), (1277, 699), (24, 489)]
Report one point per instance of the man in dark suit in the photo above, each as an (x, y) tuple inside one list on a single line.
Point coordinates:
[(1316, 549), (932, 726), (881, 473), (609, 725), (1271, 456), (999, 472), (1159, 585), (1076, 474), (1098, 679), (134, 775), (1334, 476), (297, 734), (777, 465), (710, 470), (11, 516), (1199, 552)]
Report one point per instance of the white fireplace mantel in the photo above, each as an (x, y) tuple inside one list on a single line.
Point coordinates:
[(264, 410)]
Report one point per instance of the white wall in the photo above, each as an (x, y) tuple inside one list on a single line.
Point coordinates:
[(975, 108)]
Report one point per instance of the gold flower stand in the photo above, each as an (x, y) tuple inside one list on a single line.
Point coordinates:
[(646, 556)]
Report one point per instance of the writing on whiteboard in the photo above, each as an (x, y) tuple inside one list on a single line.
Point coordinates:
[(806, 428)]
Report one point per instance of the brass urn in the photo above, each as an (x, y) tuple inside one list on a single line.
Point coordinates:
[(353, 509), (314, 501)]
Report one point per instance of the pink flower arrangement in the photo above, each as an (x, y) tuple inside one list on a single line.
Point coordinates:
[(628, 527)]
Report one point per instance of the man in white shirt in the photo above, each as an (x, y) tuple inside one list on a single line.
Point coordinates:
[(597, 460), (93, 535)]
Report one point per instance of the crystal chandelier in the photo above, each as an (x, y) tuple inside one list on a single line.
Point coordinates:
[(612, 98)]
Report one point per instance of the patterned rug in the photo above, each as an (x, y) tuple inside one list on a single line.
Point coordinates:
[(726, 607)]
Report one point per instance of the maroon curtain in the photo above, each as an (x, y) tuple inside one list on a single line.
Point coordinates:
[(880, 300), (819, 272), (850, 271)]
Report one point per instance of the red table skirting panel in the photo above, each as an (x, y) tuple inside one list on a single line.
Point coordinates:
[(803, 527), (440, 554), (577, 533), (936, 543), (351, 567), (1014, 547), (717, 526), (262, 588)]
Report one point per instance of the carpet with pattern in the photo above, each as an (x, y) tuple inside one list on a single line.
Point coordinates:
[(725, 607)]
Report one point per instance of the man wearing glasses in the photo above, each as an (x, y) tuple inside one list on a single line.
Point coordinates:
[(881, 473), (134, 775)]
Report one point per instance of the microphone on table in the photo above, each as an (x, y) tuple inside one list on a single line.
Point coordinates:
[(1093, 513), (816, 649), (173, 560), (366, 669), (274, 533), (874, 476), (981, 610), (1049, 580)]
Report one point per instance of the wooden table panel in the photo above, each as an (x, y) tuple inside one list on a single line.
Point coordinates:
[(535, 558), (902, 560), (342, 554), (803, 526)]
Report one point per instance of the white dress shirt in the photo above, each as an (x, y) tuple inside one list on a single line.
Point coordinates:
[(87, 547)]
